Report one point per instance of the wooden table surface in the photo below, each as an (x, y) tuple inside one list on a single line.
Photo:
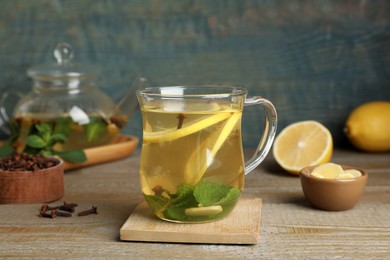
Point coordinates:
[(290, 228)]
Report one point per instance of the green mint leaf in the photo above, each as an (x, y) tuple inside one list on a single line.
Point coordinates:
[(6, 150), (36, 141), (94, 130), (63, 126), (210, 193), (156, 202), (232, 196), (43, 128), (46, 153), (44, 131), (57, 138), (176, 213), (184, 192), (31, 150), (184, 198), (74, 156)]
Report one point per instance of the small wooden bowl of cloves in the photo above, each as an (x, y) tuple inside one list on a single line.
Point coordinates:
[(27, 178)]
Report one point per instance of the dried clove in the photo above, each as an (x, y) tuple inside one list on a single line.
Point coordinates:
[(63, 214), (46, 207), (64, 210), (158, 190), (93, 210), (26, 162), (52, 214), (181, 118), (68, 207)]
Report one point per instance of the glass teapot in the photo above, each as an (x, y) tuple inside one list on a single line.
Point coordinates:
[(65, 96)]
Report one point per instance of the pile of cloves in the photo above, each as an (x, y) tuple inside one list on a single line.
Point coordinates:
[(27, 162), (65, 210)]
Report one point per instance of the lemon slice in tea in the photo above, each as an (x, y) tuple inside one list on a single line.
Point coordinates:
[(173, 134), (195, 168)]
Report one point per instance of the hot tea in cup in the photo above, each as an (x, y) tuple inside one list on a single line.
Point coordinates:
[(192, 163)]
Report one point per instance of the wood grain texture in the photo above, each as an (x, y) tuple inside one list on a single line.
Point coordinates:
[(290, 227), (314, 59), (242, 226)]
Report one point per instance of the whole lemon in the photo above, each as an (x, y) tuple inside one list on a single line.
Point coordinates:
[(368, 126)]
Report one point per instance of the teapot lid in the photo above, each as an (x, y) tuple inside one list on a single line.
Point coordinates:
[(64, 67)]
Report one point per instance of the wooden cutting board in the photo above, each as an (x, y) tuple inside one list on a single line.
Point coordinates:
[(242, 226)]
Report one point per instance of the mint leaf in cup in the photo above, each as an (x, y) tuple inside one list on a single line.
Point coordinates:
[(212, 193), (202, 202)]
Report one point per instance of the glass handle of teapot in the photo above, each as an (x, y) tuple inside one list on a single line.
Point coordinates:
[(5, 98), (268, 136), (128, 103)]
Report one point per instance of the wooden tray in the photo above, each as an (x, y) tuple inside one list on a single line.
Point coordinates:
[(242, 226), (122, 147)]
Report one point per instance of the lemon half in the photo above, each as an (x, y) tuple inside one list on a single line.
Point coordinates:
[(301, 144)]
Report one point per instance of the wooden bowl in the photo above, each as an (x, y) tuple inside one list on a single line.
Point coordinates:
[(332, 194), (40, 186)]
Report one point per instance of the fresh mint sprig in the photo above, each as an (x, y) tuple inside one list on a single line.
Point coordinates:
[(42, 140), (204, 193)]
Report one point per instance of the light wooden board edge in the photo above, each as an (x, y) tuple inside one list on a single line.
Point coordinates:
[(242, 226)]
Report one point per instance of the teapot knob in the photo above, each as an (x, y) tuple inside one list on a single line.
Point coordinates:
[(63, 53)]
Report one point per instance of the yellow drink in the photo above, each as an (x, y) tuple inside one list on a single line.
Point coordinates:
[(192, 166)]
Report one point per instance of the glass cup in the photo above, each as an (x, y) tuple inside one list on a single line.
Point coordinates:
[(192, 163)]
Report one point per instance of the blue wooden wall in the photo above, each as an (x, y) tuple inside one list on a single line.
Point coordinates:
[(313, 59)]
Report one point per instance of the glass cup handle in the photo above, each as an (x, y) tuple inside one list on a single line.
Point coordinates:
[(266, 140)]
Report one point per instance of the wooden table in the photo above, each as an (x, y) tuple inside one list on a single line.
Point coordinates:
[(290, 228)]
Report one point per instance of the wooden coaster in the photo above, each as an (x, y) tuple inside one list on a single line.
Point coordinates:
[(242, 226)]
